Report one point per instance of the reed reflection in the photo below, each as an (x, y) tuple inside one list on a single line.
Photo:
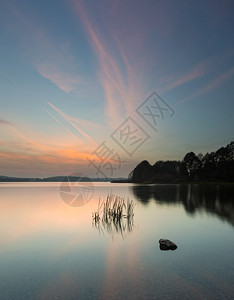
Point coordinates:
[(212, 199), (114, 216)]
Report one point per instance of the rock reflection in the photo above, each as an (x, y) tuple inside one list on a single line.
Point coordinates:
[(213, 199)]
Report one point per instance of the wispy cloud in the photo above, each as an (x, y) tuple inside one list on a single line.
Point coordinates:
[(60, 123), (29, 143), (61, 79), (196, 72), (57, 65), (21, 155), (10, 79), (216, 82), (202, 69), (53, 60), (72, 122), (109, 71), (4, 122), (61, 161), (115, 73)]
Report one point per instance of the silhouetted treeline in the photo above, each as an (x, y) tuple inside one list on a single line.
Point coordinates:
[(214, 166)]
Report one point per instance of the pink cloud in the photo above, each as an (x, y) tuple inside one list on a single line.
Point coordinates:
[(4, 122), (73, 123), (120, 82), (201, 69), (61, 79), (52, 60), (19, 135), (197, 72), (212, 85), (20, 154), (60, 123)]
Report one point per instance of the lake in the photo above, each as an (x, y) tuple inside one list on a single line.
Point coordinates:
[(51, 249)]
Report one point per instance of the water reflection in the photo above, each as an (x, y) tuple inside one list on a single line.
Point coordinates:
[(122, 226), (214, 199), (114, 215), (49, 250)]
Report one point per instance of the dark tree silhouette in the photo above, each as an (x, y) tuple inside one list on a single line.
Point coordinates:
[(193, 165), (142, 172), (214, 166)]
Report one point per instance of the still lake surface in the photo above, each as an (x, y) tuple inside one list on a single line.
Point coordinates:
[(49, 248)]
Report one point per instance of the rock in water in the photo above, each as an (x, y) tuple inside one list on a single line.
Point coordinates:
[(167, 245)]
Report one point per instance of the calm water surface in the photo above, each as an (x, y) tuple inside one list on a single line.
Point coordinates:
[(50, 249)]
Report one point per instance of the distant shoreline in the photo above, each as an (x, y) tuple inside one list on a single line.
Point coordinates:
[(6, 179), (56, 179)]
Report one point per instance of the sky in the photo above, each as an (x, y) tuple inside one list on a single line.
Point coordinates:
[(94, 87)]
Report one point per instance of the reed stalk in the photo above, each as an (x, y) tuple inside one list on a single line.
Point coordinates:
[(114, 214)]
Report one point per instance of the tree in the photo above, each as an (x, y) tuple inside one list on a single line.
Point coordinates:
[(192, 163), (142, 172)]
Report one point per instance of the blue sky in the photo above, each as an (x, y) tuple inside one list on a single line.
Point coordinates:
[(71, 72)]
